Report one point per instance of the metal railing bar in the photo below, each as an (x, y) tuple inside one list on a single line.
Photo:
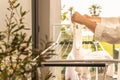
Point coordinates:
[(88, 60), (66, 48), (83, 63), (53, 45), (70, 64)]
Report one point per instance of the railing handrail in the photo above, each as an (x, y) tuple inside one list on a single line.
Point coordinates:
[(89, 62)]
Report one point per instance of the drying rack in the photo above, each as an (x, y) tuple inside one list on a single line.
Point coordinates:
[(76, 63)]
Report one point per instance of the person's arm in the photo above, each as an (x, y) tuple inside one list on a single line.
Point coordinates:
[(107, 33), (107, 29), (93, 18)]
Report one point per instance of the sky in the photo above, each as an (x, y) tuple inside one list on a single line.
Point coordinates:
[(110, 8)]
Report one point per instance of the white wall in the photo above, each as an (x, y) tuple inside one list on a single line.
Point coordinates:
[(49, 15), (44, 18)]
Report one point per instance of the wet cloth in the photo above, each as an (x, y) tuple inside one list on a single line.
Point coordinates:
[(79, 53)]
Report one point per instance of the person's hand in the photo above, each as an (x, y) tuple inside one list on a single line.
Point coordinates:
[(84, 20), (77, 18)]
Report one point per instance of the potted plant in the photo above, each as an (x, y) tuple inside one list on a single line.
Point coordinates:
[(95, 10), (16, 54)]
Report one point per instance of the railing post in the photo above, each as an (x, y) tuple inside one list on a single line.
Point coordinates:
[(118, 67)]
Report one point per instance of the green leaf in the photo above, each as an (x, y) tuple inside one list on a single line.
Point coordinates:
[(17, 5), (29, 40), (21, 27), (20, 10), (23, 13), (48, 75), (13, 26)]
